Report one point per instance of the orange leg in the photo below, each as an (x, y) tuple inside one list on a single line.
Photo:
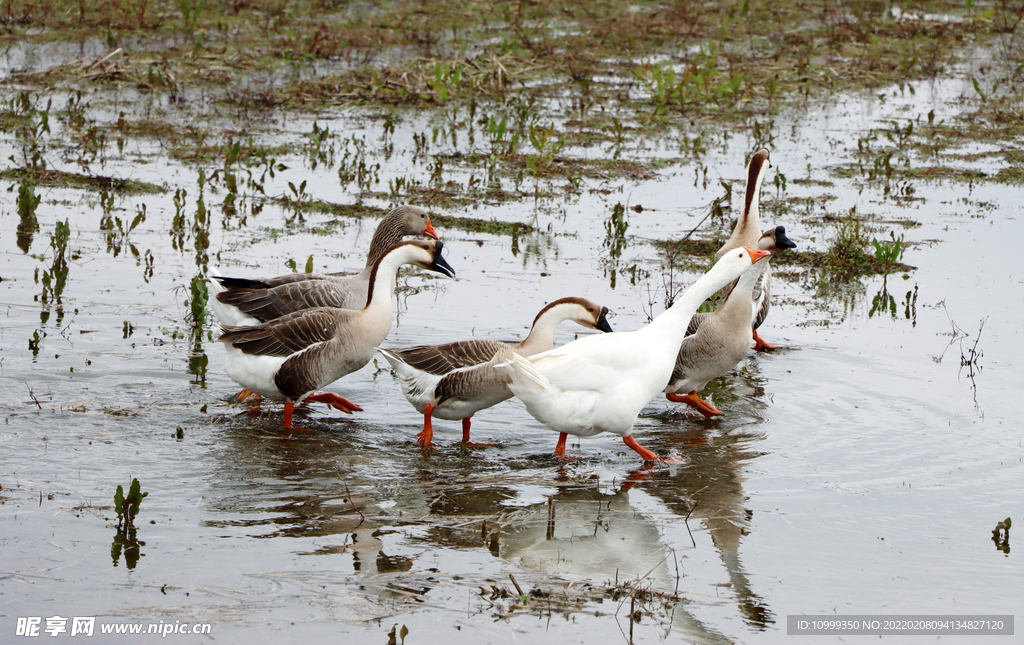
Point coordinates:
[(692, 399), (644, 452), (288, 407), (247, 394), (647, 454), (465, 437), (560, 448), (427, 434), (762, 346), (334, 401)]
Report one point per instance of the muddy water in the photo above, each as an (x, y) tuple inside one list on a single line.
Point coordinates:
[(858, 470)]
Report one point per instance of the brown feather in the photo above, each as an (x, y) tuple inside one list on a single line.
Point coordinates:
[(283, 336), (299, 373), (442, 359), (269, 298)]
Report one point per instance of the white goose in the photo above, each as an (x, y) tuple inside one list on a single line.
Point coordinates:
[(244, 301), (601, 383), (291, 357), (456, 380), (747, 232)]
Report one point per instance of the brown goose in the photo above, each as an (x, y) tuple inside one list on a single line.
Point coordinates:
[(244, 301), (290, 357), (721, 341), (747, 232), (456, 380)]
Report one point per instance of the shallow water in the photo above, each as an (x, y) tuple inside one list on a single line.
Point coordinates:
[(858, 470)]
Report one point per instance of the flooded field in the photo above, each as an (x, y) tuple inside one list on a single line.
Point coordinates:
[(859, 469)]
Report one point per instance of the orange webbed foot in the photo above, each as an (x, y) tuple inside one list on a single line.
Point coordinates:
[(247, 395), (334, 401), (471, 444), (426, 435), (425, 439), (560, 449), (465, 437), (643, 452), (760, 345), (695, 401)]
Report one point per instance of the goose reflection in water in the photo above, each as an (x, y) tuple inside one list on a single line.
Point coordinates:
[(584, 534), (332, 486), (710, 487)]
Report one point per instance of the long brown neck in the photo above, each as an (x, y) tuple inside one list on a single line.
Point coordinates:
[(748, 227), (389, 232)]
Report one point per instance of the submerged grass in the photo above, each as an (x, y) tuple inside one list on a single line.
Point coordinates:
[(722, 59), (359, 211), (848, 256), (516, 95), (60, 178), (626, 69)]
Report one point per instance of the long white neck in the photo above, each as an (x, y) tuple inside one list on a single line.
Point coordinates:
[(542, 334), (672, 323), (384, 280)]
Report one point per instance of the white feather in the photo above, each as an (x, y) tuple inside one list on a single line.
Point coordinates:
[(601, 383)]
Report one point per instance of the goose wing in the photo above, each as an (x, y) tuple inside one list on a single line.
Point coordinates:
[(690, 353), (284, 336), (695, 322), (270, 299), (443, 359), (266, 283), (483, 383), (592, 362)]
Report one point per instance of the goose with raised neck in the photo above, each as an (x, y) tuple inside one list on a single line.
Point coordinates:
[(720, 342), (601, 383), (747, 232)]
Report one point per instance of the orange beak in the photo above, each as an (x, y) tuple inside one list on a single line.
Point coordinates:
[(756, 254), (429, 231)]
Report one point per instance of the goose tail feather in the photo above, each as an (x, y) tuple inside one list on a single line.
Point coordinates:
[(396, 361), (525, 375)]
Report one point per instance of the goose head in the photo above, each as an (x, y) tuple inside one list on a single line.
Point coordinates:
[(421, 253), (425, 254), (737, 261), (413, 220), (775, 239), (581, 311)]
